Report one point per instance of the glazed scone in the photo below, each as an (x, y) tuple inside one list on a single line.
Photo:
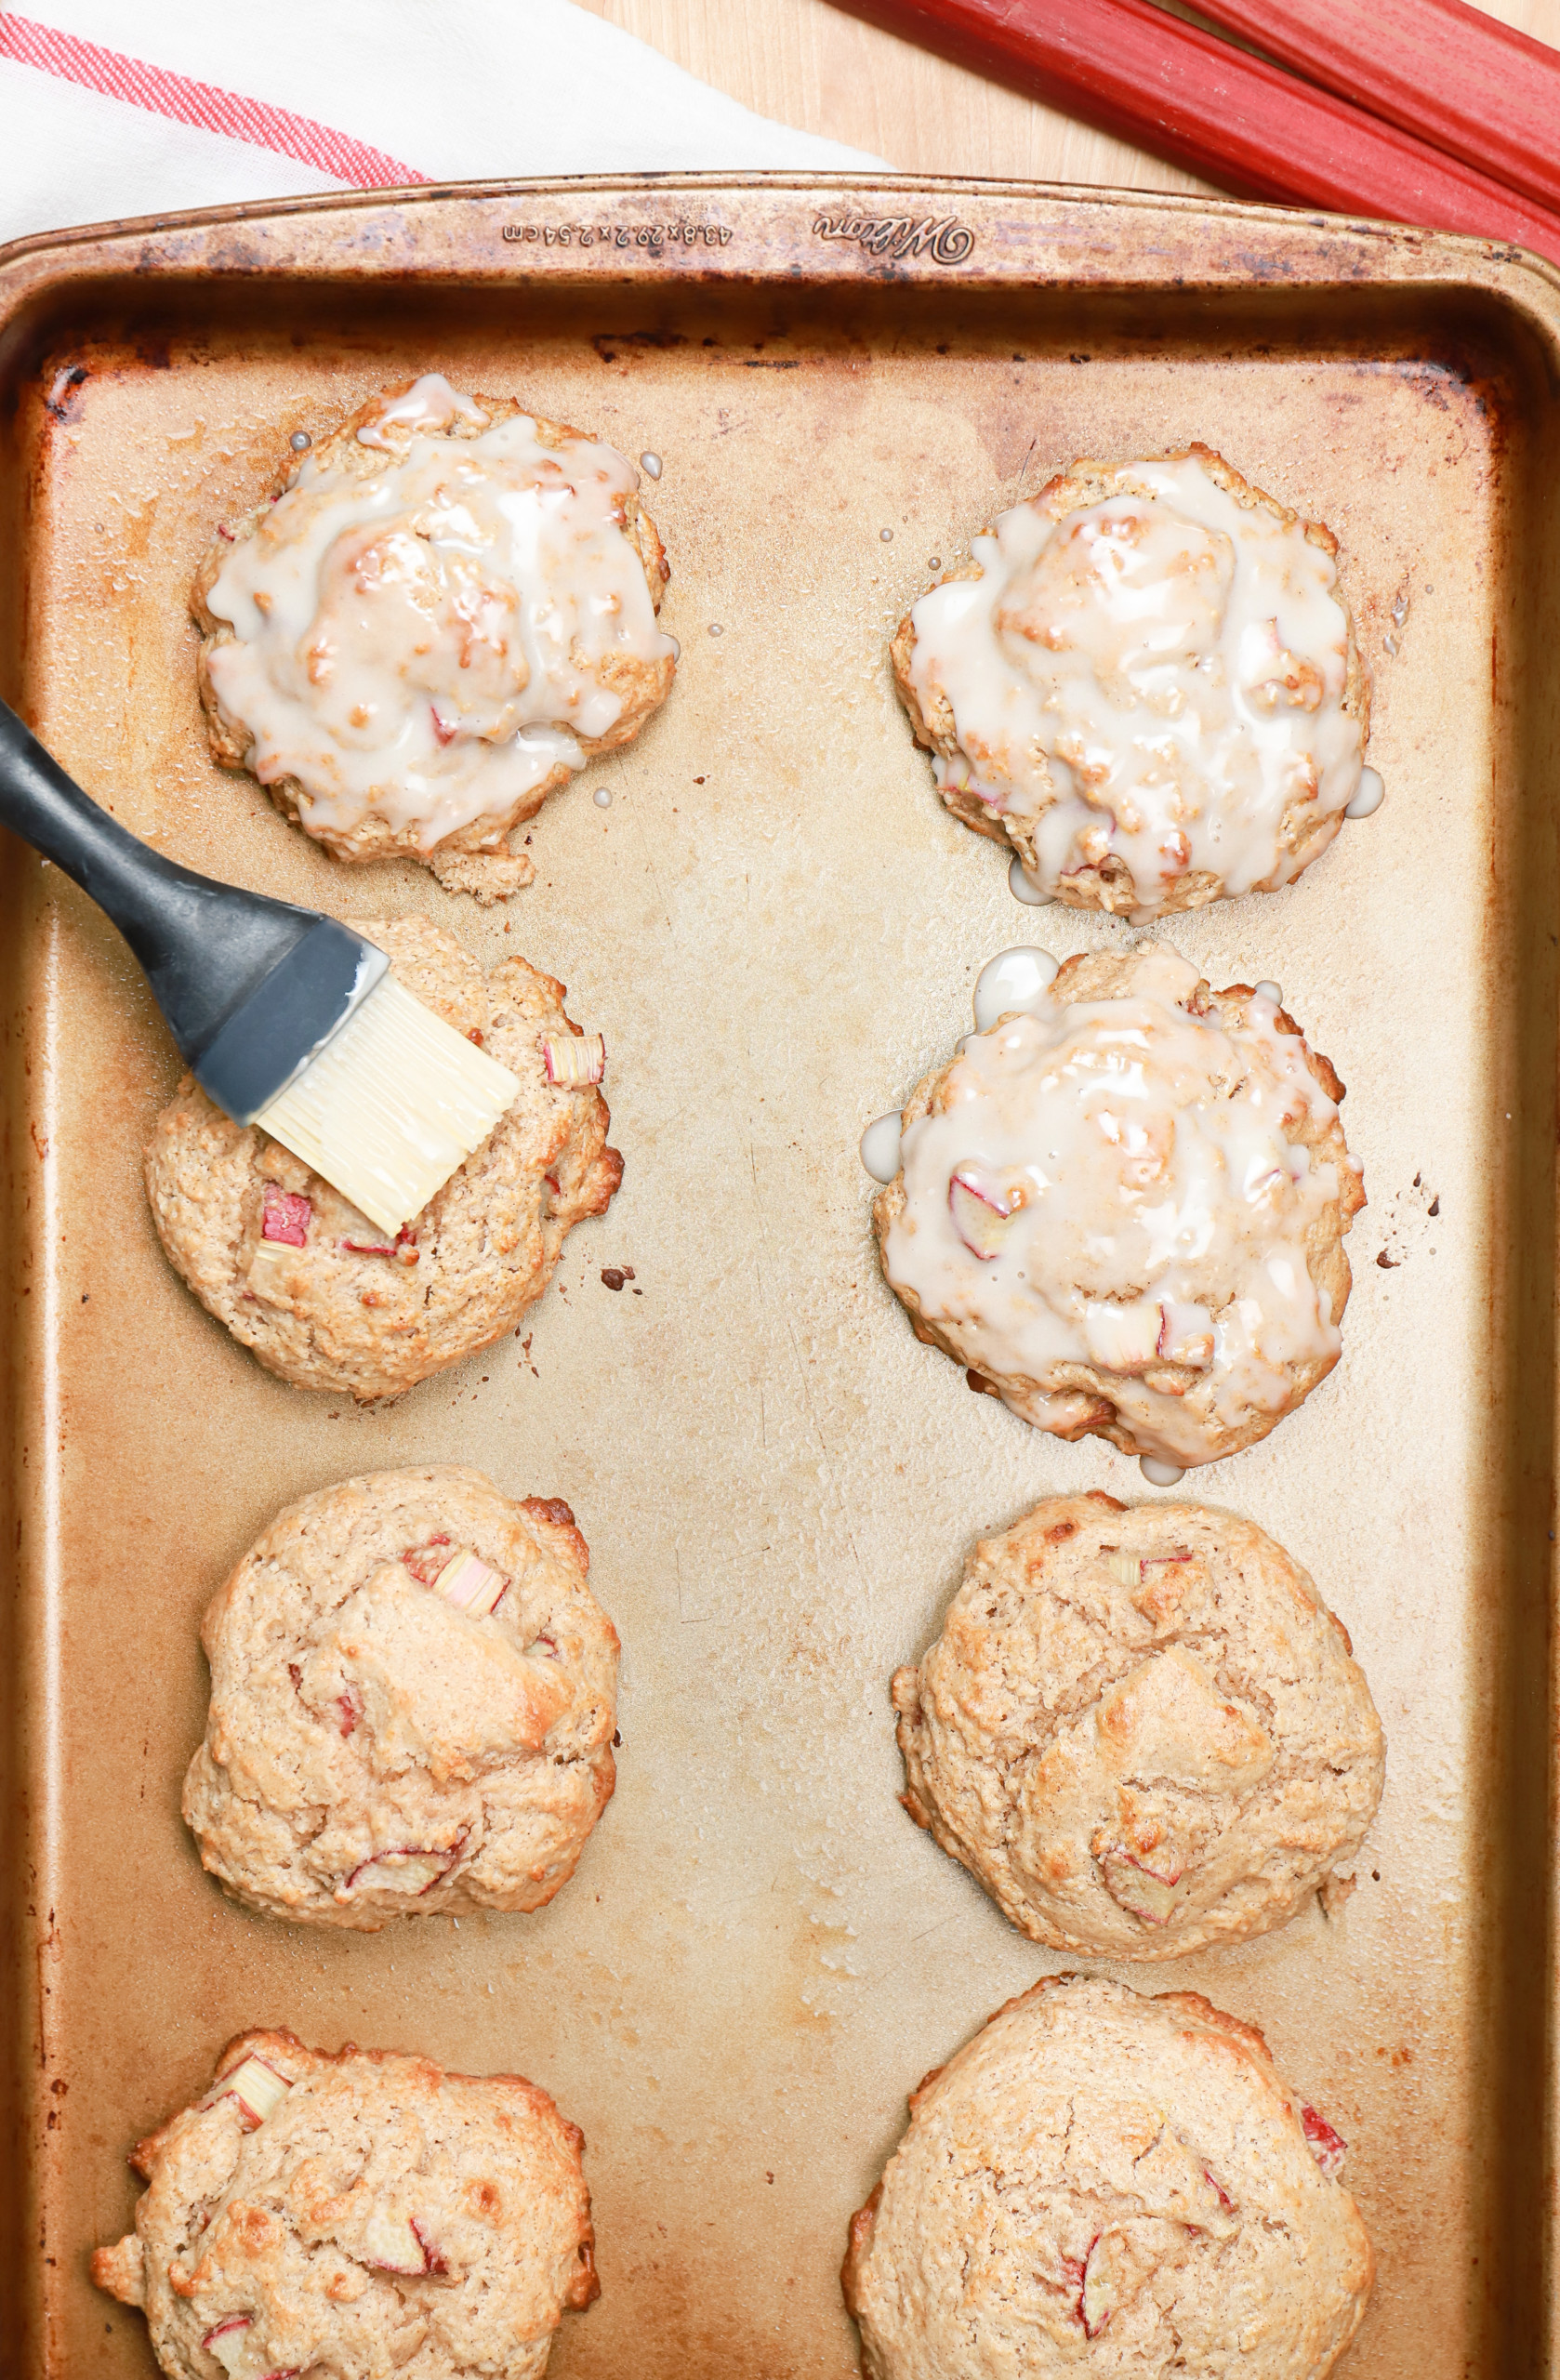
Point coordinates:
[(1122, 1209), (1102, 2183), (448, 611), (413, 1704), (363, 2213), (308, 1284), (1145, 680), (1141, 1729)]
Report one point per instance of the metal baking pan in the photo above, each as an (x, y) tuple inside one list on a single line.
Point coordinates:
[(777, 929)]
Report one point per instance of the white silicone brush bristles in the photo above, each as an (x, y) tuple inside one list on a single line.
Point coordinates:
[(393, 1103)]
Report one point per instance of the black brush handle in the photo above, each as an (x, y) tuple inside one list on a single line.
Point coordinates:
[(209, 950)]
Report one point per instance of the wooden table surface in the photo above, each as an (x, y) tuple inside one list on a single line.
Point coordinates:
[(811, 65)]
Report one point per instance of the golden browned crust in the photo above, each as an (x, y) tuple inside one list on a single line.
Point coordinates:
[(1094, 2166), (383, 2208), (371, 1752), (331, 1316), (1141, 1730)]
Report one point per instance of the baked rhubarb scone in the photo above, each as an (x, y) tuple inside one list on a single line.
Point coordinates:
[(1147, 680), (412, 1695), (1100, 2183), (448, 610), (1122, 1209), (308, 1284), (359, 2213), (1141, 1729)]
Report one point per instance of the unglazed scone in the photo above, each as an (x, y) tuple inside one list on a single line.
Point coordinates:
[(1122, 1209), (1102, 2183), (1145, 680), (360, 2214), (308, 1284), (449, 609), (412, 1695), (1141, 1729)]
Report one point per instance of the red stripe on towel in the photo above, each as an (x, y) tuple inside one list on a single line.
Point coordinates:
[(204, 105)]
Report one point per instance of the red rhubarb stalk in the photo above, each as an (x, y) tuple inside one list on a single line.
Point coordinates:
[(1139, 72), (1440, 69)]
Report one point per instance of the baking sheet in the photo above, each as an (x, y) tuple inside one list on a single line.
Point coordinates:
[(777, 929)]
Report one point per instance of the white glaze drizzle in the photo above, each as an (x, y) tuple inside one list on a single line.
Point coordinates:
[(1014, 979), (1023, 888), (1135, 1215), (426, 644), (1157, 678), (879, 1147), (429, 404), (1370, 797)]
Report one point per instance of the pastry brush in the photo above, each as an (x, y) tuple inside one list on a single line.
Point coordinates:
[(289, 1020)]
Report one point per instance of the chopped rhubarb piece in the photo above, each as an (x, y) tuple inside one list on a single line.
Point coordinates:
[(433, 2261), (1143, 1891), (393, 2243), (470, 1585), (226, 2341), (425, 1562), (1073, 2271), (572, 1063), (1122, 1338), (1147, 1565), (257, 2087), (443, 735), (1186, 1335), (1125, 1569), (1101, 2284), (1327, 2147), (349, 1704), (398, 2244), (414, 1868), (223, 530), (980, 1210), (1169, 1871), (404, 1246), (548, 1647), (1220, 2193), (285, 1215)]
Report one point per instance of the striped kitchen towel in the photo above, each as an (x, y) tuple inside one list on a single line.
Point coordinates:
[(115, 107)]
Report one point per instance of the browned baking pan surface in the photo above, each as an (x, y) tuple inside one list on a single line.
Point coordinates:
[(777, 929)]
